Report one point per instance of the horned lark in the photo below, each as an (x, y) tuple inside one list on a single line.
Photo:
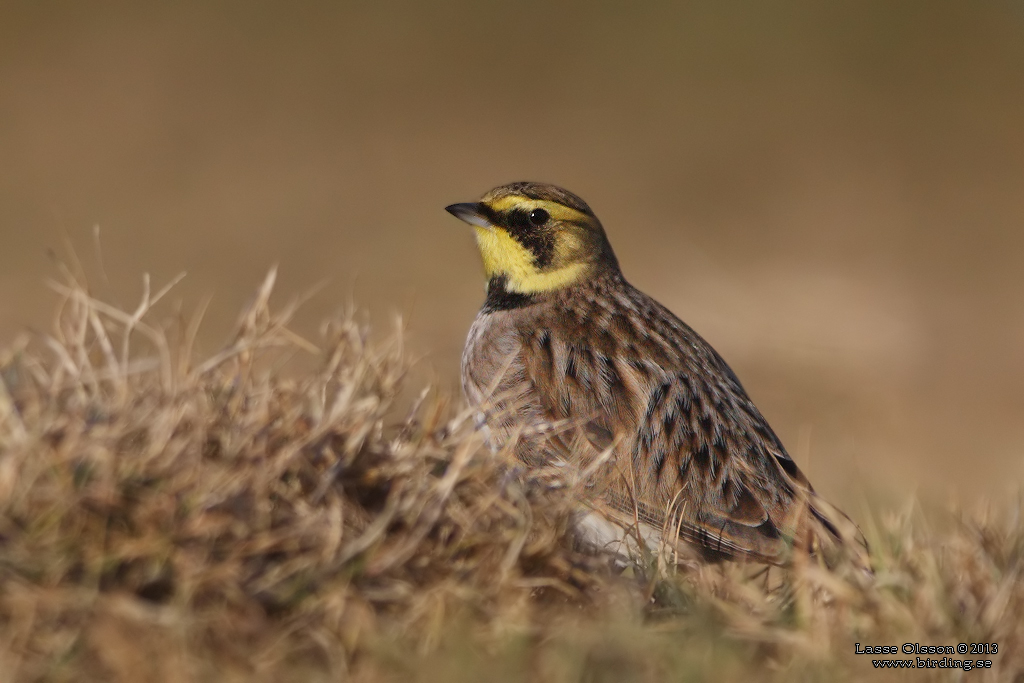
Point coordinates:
[(570, 364)]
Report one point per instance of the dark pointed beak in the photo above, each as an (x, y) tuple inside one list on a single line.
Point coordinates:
[(470, 212)]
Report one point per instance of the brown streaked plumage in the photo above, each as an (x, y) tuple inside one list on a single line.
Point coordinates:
[(576, 364)]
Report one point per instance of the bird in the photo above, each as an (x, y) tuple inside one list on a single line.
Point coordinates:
[(568, 364)]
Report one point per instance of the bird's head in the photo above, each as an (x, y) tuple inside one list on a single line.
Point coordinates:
[(536, 238)]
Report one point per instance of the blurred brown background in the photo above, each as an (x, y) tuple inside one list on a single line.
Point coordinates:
[(832, 193)]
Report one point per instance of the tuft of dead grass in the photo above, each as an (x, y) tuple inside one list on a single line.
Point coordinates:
[(168, 518)]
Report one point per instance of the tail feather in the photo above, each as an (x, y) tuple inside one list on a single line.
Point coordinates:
[(835, 537)]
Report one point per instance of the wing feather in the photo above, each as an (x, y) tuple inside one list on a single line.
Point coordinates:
[(686, 429)]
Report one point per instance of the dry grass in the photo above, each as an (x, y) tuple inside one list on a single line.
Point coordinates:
[(164, 518)]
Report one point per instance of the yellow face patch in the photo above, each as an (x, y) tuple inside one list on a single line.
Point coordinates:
[(504, 256)]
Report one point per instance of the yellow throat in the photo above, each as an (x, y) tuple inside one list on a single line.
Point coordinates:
[(504, 256)]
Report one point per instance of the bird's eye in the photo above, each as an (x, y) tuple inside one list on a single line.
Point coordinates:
[(539, 217)]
